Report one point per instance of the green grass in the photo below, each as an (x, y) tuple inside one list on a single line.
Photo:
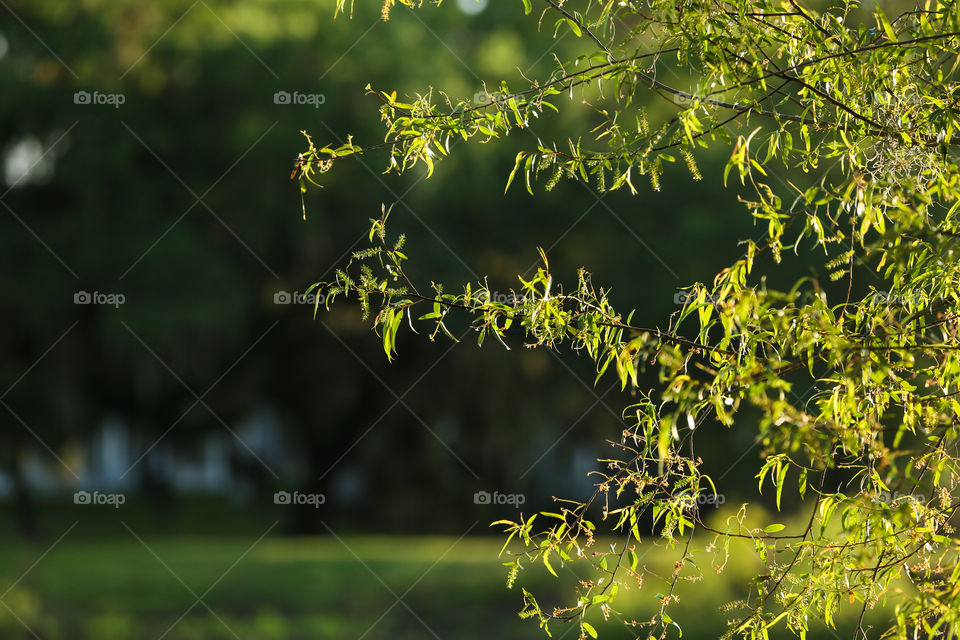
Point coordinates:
[(318, 587)]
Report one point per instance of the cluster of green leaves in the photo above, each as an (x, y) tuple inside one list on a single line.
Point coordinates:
[(862, 106)]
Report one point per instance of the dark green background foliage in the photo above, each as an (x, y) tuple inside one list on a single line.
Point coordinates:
[(120, 211)]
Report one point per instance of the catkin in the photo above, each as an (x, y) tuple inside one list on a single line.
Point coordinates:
[(691, 164), (655, 175)]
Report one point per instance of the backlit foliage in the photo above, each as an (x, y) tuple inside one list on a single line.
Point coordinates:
[(862, 107)]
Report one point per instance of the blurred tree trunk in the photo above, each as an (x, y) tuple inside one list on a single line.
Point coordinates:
[(23, 503)]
